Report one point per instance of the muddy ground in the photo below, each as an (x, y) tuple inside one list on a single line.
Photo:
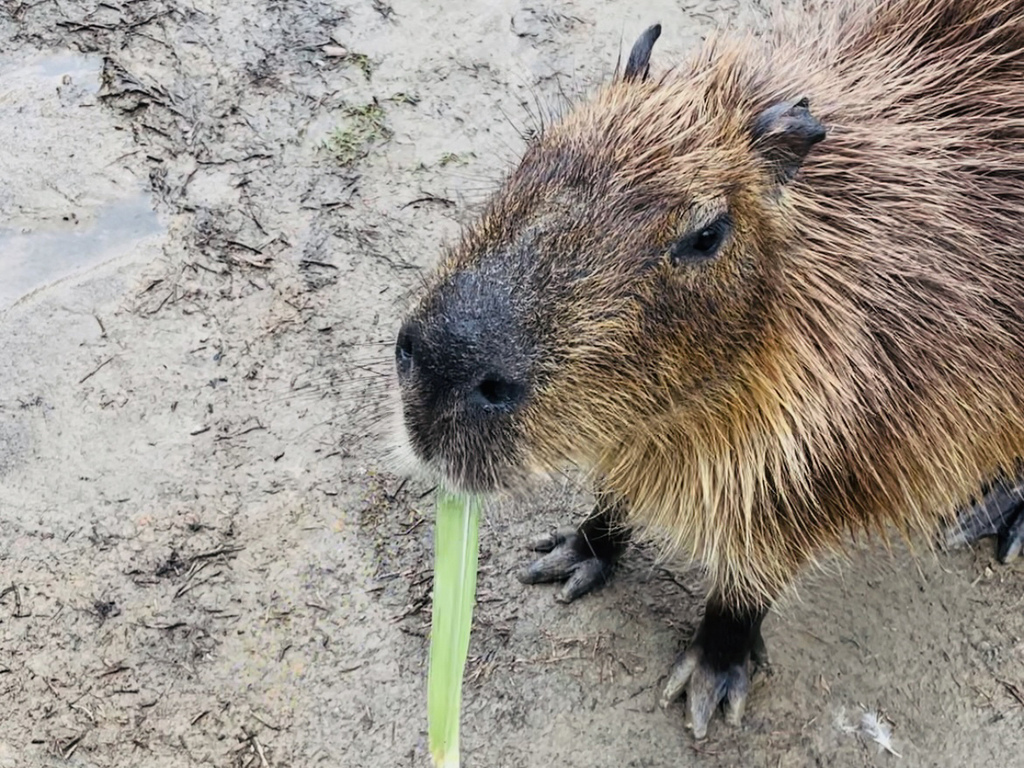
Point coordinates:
[(210, 216)]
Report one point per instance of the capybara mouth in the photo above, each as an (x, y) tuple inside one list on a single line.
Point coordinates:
[(465, 457)]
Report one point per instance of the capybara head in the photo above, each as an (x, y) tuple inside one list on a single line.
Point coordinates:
[(624, 271)]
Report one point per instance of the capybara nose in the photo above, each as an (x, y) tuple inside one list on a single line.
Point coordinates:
[(496, 394), (464, 356), (406, 348), (455, 366)]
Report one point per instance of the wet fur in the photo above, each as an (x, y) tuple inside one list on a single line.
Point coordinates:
[(854, 360)]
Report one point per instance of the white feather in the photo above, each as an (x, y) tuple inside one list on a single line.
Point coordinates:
[(875, 728), (872, 726)]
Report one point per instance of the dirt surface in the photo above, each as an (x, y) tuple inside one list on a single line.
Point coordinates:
[(210, 216)]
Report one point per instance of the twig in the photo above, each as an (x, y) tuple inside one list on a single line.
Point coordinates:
[(430, 199), (19, 612), (80, 708), (1013, 690), (114, 670), (257, 747), (245, 247), (239, 434), (161, 304), (259, 751), (189, 587), (216, 553), (271, 726), (94, 371), (172, 625), (392, 496), (667, 575), (69, 749)]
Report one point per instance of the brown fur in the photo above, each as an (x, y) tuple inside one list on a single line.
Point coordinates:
[(853, 360)]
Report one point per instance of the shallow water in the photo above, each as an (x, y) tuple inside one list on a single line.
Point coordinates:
[(31, 260), (83, 69), (65, 205)]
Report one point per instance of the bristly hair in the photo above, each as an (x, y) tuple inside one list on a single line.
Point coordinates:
[(851, 363), (891, 383)]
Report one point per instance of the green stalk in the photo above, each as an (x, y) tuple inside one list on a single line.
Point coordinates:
[(456, 551)]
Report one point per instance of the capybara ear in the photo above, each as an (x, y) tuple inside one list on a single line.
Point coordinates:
[(639, 65), (784, 134)]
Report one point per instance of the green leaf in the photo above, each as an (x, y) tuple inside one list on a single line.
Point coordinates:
[(456, 551)]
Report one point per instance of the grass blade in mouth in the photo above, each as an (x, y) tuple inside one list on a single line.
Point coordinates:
[(456, 551)]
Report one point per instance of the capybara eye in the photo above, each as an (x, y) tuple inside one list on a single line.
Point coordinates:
[(708, 240), (703, 243)]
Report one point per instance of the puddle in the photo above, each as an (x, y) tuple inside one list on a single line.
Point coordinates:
[(82, 69), (67, 201), (31, 260), (73, 77)]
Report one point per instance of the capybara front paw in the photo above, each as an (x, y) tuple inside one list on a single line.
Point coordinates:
[(569, 557), (1000, 513)]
